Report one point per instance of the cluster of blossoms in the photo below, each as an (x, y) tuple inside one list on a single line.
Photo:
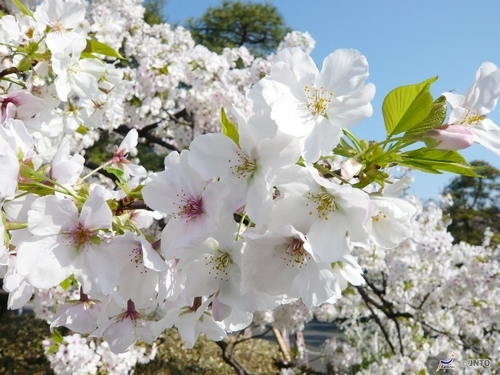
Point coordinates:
[(423, 300), (272, 210), (73, 355)]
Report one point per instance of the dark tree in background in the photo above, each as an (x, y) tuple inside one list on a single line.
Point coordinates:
[(476, 205), (153, 13), (258, 27)]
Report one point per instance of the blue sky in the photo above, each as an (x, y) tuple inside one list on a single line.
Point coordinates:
[(404, 41)]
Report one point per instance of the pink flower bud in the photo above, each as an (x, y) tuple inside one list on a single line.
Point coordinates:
[(448, 137)]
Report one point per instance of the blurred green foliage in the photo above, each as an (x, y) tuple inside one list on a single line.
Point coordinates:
[(257, 26), (476, 205), (21, 352)]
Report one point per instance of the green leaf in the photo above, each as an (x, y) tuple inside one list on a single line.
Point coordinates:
[(32, 48), (57, 337), (436, 117), (407, 106), (137, 192), (120, 175), (66, 284), (52, 349), (82, 130), (94, 46), (437, 161), (228, 128), (22, 8), (24, 65)]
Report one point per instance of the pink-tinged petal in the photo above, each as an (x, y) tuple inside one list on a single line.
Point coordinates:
[(220, 311), (51, 215), (46, 262), (449, 137), (96, 213), (80, 317), (344, 71), (120, 336)]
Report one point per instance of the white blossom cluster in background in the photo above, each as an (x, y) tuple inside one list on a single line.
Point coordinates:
[(283, 209), (76, 355), (451, 293)]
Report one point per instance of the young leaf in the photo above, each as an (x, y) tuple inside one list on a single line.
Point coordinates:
[(228, 128), (120, 175), (57, 337), (94, 46), (435, 161), (24, 65), (407, 106), (22, 8), (436, 117)]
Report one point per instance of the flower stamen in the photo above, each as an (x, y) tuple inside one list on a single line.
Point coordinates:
[(318, 100)]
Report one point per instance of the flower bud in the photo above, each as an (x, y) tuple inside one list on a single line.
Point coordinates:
[(5, 50), (7, 62), (448, 137), (350, 168)]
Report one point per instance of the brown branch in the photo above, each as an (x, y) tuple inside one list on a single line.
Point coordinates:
[(377, 319), (228, 357)]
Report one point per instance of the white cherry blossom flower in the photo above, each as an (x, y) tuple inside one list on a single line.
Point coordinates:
[(121, 153), (249, 169), (76, 76), (329, 214), (66, 169), (471, 108), (191, 321), (64, 242), (196, 207), (63, 20), (139, 266), (281, 262), (313, 105), (79, 316), (390, 222)]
